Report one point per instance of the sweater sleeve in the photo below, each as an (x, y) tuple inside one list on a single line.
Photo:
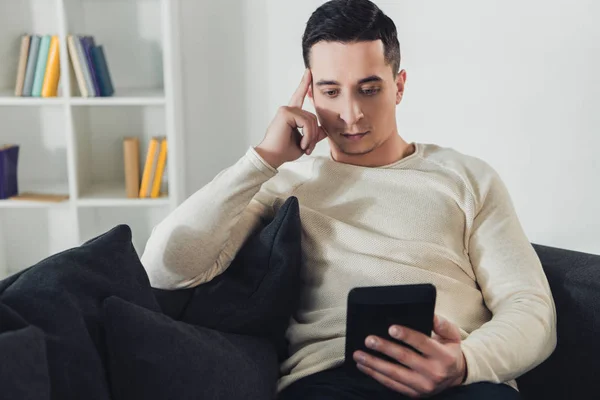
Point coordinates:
[(522, 331), (200, 238)]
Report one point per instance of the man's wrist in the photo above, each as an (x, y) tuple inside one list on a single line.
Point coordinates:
[(270, 157)]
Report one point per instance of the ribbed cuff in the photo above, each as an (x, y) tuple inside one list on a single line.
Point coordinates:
[(473, 373), (260, 163)]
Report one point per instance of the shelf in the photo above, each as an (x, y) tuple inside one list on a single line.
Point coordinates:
[(43, 188), (113, 195), (123, 97), (8, 98), (76, 143)]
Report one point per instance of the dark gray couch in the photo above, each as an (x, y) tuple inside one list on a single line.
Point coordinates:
[(85, 323)]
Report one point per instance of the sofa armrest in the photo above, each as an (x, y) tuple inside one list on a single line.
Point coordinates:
[(570, 372)]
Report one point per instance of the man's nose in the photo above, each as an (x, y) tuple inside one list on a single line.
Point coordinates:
[(351, 112)]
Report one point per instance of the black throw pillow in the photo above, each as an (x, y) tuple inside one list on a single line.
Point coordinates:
[(259, 291), (23, 363), (152, 356), (62, 296)]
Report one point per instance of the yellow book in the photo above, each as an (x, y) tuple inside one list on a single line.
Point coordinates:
[(149, 167), (50, 86), (160, 168)]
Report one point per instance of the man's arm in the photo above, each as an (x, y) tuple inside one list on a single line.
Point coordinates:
[(199, 239), (522, 331)]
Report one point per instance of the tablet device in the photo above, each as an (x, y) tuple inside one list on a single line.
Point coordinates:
[(372, 310)]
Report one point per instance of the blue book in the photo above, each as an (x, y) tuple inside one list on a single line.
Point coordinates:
[(40, 68), (87, 42), (102, 72), (34, 48), (9, 157)]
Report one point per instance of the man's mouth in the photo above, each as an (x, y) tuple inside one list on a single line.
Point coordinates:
[(354, 136)]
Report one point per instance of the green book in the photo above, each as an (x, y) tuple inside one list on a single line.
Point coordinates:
[(40, 68)]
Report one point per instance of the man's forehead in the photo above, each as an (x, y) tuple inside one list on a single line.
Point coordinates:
[(347, 62)]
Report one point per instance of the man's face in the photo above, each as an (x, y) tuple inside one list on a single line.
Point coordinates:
[(355, 95)]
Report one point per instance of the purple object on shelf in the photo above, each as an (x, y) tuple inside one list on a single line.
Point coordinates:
[(87, 42), (9, 157)]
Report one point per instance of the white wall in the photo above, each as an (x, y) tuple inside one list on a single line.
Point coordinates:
[(513, 82)]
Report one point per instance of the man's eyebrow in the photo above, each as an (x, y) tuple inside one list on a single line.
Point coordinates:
[(372, 78), (326, 83)]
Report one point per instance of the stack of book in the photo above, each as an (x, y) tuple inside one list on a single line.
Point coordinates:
[(38, 71), (90, 66), (154, 167)]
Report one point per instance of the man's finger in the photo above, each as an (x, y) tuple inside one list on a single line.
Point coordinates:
[(400, 353), (300, 120), (390, 373), (298, 97), (417, 340)]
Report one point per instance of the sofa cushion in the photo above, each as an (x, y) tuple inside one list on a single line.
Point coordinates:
[(570, 372), (62, 294), (259, 291), (152, 356), (23, 363)]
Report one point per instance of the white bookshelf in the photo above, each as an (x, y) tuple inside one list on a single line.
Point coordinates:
[(72, 145)]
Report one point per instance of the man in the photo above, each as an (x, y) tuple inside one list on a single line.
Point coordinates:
[(377, 211)]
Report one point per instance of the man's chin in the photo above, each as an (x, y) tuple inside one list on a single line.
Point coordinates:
[(355, 152)]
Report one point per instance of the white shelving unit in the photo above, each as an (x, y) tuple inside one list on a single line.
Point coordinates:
[(73, 145)]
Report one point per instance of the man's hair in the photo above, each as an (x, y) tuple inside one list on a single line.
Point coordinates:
[(349, 21)]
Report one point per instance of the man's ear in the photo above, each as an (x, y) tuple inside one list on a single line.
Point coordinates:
[(400, 83)]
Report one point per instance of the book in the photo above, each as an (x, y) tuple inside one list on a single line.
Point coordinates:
[(160, 168), (86, 67), (34, 49), (40, 68), (102, 72), (149, 168), (52, 76), (87, 42), (9, 157), (78, 66), (25, 40), (131, 161)]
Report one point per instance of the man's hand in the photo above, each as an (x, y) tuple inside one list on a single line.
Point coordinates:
[(440, 366), (283, 141)]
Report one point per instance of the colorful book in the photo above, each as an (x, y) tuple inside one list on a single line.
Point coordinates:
[(25, 40), (52, 76), (34, 50), (85, 66), (9, 157), (76, 62), (160, 168), (149, 168), (40, 68), (102, 73), (131, 161), (87, 42)]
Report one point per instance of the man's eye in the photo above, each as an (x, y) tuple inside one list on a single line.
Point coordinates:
[(330, 93), (370, 91)]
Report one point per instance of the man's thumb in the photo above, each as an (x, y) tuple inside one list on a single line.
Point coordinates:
[(445, 329)]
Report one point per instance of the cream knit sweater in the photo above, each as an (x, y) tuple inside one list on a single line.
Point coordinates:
[(436, 216)]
